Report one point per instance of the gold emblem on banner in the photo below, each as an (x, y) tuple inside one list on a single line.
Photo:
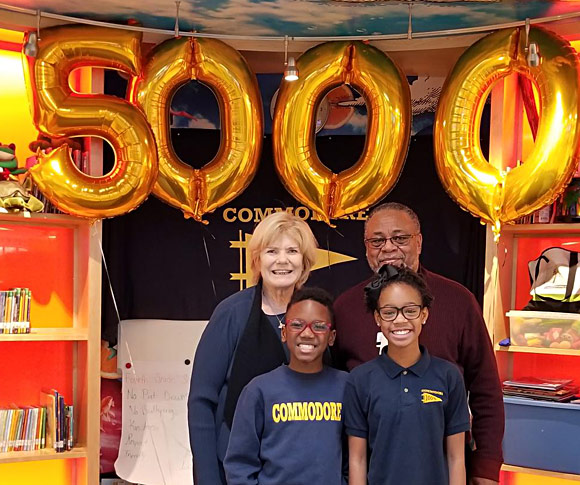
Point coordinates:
[(324, 258)]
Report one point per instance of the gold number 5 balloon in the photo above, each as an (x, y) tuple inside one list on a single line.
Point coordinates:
[(496, 196), (170, 65), (59, 112), (388, 99)]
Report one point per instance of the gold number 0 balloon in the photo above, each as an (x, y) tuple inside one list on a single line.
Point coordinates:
[(388, 99), (493, 195), (170, 65), (59, 112)]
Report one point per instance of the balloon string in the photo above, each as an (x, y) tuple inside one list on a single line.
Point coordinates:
[(495, 314), (328, 250), (494, 277), (109, 281), (209, 261)]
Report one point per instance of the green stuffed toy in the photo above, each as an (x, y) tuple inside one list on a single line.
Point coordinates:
[(8, 163), (13, 196)]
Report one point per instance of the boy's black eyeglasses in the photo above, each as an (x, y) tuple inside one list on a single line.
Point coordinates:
[(317, 326), (398, 240), (390, 313)]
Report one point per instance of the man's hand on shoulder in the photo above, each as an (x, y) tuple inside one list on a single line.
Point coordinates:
[(482, 481)]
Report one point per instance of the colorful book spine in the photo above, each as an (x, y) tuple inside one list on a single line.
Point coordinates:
[(15, 310), (22, 429), (61, 424)]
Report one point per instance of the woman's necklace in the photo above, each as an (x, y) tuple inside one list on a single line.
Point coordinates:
[(269, 303)]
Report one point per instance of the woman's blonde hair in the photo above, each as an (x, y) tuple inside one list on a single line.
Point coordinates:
[(275, 225)]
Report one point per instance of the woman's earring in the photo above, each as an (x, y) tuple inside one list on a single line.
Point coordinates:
[(423, 322)]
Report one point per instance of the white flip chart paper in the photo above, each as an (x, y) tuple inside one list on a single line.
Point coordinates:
[(155, 359)]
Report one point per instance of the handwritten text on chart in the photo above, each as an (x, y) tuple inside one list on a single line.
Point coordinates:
[(155, 441)]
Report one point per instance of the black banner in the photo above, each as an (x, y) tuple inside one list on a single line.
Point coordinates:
[(164, 266)]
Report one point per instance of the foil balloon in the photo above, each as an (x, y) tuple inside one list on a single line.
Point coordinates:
[(169, 66), (388, 100), (496, 196), (60, 112)]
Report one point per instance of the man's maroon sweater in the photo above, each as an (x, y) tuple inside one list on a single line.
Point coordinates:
[(454, 331)]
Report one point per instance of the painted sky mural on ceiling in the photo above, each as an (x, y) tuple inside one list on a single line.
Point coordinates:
[(342, 112), (304, 17)]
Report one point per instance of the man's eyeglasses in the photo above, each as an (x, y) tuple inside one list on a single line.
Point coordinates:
[(398, 240), (390, 313), (317, 326)]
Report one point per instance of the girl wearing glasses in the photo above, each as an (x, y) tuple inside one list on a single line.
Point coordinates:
[(288, 423), (406, 407)]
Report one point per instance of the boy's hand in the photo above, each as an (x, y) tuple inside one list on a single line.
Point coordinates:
[(482, 481)]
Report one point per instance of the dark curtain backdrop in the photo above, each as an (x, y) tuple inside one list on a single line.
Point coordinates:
[(163, 266)]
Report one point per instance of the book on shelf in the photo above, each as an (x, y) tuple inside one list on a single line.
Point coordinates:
[(15, 310), (557, 390), (538, 383), (59, 421), (69, 427), (49, 207), (21, 428), (566, 208), (563, 395), (49, 398), (82, 160)]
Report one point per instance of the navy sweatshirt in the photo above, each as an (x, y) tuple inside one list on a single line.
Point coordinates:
[(288, 430)]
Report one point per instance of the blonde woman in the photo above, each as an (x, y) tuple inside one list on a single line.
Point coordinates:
[(242, 338)]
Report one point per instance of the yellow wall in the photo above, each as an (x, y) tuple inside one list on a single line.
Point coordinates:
[(528, 479), (49, 472), (15, 117), (16, 126)]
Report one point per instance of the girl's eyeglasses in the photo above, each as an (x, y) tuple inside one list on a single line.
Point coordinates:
[(390, 313)]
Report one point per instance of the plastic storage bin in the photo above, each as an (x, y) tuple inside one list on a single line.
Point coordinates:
[(545, 329), (542, 435)]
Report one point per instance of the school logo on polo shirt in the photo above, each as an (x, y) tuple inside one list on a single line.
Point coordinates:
[(428, 395)]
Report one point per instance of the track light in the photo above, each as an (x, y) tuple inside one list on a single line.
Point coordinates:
[(290, 69), (533, 56), (31, 46), (177, 2), (532, 53)]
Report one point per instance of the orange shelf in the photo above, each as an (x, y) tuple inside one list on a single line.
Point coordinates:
[(542, 473), (540, 229), (41, 218), (537, 350), (46, 334), (40, 455)]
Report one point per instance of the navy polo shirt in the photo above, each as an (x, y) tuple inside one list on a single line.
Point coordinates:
[(405, 415)]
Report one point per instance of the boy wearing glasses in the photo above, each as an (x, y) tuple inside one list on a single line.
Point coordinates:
[(287, 426), (408, 408)]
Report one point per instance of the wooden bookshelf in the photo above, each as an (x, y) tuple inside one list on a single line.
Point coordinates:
[(507, 288), (58, 258)]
